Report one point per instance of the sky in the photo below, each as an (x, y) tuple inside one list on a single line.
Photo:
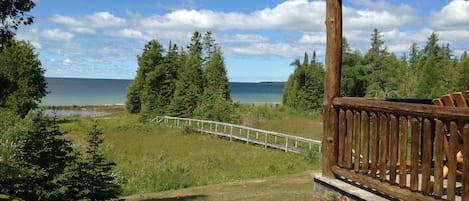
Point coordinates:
[(259, 38)]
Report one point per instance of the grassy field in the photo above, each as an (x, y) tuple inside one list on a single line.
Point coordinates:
[(152, 158)]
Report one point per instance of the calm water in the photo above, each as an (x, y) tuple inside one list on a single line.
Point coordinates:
[(72, 91)]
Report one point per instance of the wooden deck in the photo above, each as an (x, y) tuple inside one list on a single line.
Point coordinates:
[(268, 139)]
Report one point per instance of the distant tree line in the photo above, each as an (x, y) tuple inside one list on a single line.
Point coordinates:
[(181, 83), (36, 162), (427, 72)]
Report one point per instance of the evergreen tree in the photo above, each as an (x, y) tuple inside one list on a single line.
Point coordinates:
[(22, 82), (151, 57), (42, 157), (90, 177), (190, 81), (353, 82), (463, 75), (208, 46), (430, 82), (216, 103), (159, 86), (305, 88)]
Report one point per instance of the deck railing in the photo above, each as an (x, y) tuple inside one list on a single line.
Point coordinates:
[(397, 148), (288, 143)]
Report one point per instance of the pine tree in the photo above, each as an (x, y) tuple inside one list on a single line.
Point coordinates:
[(215, 103), (158, 90), (463, 69), (151, 57), (353, 81), (305, 87), (190, 81), (43, 156)]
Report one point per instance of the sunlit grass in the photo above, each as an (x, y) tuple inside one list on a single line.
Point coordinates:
[(153, 158)]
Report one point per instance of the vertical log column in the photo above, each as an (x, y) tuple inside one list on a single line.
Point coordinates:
[(332, 85)]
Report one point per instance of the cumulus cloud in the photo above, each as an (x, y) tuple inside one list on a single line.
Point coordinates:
[(57, 34), (87, 24), (454, 16)]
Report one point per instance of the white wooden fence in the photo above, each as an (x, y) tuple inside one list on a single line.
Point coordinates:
[(288, 143)]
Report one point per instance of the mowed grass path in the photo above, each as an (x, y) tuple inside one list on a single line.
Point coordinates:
[(154, 158)]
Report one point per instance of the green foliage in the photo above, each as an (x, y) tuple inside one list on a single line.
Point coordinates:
[(91, 177), (354, 80), (215, 103), (40, 160), (13, 14), (305, 88), (38, 163), (22, 82), (180, 83), (159, 87), (147, 62)]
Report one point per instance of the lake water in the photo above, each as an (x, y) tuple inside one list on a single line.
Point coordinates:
[(74, 91)]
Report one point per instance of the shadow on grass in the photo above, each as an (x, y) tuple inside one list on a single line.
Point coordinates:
[(184, 198)]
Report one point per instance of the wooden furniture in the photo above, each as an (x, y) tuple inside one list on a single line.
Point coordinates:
[(456, 99)]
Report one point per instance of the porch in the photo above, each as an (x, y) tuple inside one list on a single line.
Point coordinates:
[(387, 148)]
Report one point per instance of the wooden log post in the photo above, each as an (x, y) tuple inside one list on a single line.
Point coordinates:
[(332, 85)]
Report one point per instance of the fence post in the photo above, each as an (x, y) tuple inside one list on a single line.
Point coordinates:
[(286, 144), (231, 133), (202, 127), (247, 139), (265, 139)]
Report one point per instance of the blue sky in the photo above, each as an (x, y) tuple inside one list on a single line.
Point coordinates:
[(259, 38)]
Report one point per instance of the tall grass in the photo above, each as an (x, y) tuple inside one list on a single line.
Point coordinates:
[(154, 158)]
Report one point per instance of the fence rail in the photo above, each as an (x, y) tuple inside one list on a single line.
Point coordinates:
[(287, 143)]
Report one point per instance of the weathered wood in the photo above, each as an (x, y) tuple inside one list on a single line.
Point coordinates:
[(375, 145), (392, 190), (465, 169), (459, 100), (357, 143), (414, 161), (439, 157), (342, 135), (402, 109), (451, 157), (348, 140), (403, 152), (384, 148), (448, 100), (366, 142), (332, 85), (394, 142), (426, 156)]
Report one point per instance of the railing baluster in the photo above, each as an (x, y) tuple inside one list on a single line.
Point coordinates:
[(453, 131), (384, 148), (342, 135), (414, 163), (426, 156), (348, 140), (366, 142), (403, 152), (394, 142), (357, 122), (439, 156), (375, 155)]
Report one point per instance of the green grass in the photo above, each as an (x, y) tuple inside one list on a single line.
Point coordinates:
[(153, 158)]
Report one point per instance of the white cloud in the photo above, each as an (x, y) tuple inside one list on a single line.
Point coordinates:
[(129, 33), (57, 34), (454, 16), (104, 19)]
